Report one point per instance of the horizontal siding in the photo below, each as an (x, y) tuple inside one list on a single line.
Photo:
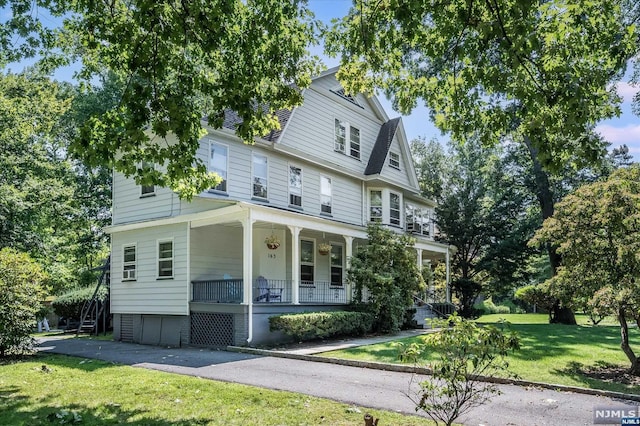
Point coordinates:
[(129, 206), (216, 251), (399, 176), (148, 294)]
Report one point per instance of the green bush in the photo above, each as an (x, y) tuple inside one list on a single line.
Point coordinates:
[(488, 307), (318, 325), (69, 305)]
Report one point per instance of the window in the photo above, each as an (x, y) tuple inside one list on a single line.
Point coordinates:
[(165, 259), (336, 265), (341, 136), (306, 262), (394, 209), (325, 194), (295, 186), (343, 133), (375, 206), (354, 140), (129, 263), (218, 163), (417, 220), (259, 176), (394, 160), (147, 190)]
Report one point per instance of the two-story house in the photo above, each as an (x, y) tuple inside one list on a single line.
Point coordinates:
[(275, 236)]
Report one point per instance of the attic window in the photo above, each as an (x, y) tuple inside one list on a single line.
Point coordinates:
[(340, 92), (394, 160)]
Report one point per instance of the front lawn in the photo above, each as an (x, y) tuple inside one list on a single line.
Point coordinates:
[(550, 353), (55, 389)]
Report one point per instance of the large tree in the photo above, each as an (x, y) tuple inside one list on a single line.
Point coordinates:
[(182, 62), (539, 73), (597, 232)]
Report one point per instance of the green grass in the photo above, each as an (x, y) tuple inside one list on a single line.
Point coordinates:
[(54, 389), (550, 353)]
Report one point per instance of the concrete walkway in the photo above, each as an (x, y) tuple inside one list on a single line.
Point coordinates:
[(363, 387)]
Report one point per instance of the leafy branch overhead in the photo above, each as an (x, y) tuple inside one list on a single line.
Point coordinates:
[(540, 70), (181, 63)]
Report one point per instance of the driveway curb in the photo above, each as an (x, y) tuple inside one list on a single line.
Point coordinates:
[(426, 371)]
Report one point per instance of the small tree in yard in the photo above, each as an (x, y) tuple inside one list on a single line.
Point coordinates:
[(467, 353), (21, 293), (387, 266), (597, 232)]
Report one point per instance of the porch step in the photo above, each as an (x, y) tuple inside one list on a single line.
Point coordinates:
[(423, 315)]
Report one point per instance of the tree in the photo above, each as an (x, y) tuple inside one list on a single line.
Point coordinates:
[(431, 164), (21, 295), (537, 73), (597, 232), (387, 268), (182, 62), (467, 353)]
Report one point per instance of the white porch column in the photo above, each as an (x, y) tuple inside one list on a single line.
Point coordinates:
[(419, 252), (448, 278), (295, 263), (247, 269), (348, 242)]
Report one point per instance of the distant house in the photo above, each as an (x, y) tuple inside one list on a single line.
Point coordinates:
[(275, 236)]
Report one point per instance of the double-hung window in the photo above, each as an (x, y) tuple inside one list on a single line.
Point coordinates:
[(375, 206), (129, 262), (147, 190), (307, 264), (295, 186), (336, 264), (394, 209), (260, 176), (165, 259), (325, 195), (394, 160), (219, 164), (345, 133)]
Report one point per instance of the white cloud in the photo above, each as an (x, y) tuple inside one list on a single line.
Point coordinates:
[(629, 134), (627, 90)]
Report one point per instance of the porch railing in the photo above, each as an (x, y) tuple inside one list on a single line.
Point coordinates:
[(323, 292), (217, 291)]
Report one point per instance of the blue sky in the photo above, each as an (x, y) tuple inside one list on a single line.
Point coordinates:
[(622, 130)]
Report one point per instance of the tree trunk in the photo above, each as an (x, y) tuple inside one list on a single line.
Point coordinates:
[(624, 343), (558, 313), (370, 421)]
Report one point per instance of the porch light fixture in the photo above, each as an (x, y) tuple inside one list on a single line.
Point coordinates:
[(324, 248), (272, 242)]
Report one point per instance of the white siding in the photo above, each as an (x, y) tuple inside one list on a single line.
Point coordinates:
[(400, 177), (216, 251), (148, 294), (129, 206)]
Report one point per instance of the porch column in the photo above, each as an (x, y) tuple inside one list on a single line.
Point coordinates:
[(419, 252), (448, 277), (247, 258), (348, 242), (295, 263)]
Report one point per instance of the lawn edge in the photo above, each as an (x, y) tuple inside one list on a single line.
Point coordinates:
[(426, 371)]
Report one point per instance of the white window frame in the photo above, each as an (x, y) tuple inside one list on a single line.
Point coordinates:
[(298, 191), (328, 196), (225, 180), (379, 219), (341, 266), (254, 176), (147, 190), (126, 273), (421, 220), (312, 263), (399, 209), (346, 146), (159, 259), (394, 160)]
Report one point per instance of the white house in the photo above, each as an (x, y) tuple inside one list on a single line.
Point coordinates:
[(201, 273)]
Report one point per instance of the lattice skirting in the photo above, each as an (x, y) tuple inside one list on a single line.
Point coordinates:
[(212, 329), (126, 328)]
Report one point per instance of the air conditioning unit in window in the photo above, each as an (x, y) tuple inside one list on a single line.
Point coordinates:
[(414, 227)]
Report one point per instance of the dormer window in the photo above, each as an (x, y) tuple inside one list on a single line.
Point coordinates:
[(345, 133), (394, 160)]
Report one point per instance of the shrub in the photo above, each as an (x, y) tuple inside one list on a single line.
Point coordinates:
[(488, 307), (318, 325), (21, 290), (69, 305)]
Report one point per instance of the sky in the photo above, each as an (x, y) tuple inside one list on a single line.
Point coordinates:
[(618, 131)]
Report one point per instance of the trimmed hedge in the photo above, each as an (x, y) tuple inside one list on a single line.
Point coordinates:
[(69, 305), (318, 325)]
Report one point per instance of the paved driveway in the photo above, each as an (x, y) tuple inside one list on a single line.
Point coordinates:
[(352, 385)]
